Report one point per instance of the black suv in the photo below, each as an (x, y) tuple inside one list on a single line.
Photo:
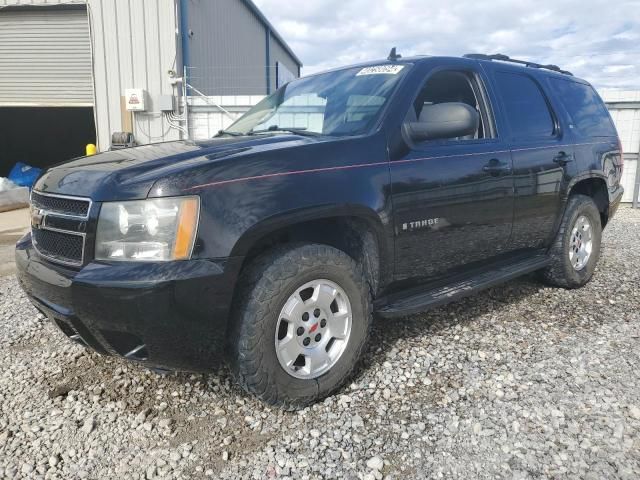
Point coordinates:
[(384, 188)]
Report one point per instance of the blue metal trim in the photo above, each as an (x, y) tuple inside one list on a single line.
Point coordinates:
[(184, 32), (268, 57)]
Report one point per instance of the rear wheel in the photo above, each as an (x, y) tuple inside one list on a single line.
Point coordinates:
[(576, 249), (300, 324)]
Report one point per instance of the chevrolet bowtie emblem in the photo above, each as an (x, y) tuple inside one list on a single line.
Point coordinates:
[(37, 218)]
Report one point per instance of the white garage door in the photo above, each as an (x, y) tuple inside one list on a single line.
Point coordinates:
[(45, 57)]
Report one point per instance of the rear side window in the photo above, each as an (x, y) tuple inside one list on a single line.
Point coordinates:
[(525, 106), (589, 115)]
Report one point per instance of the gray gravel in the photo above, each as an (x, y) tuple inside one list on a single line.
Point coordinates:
[(522, 381)]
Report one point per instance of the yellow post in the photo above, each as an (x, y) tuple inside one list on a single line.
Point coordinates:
[(91, 149)]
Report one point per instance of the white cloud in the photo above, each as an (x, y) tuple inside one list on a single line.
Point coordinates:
[(618, 68), (596, 39)]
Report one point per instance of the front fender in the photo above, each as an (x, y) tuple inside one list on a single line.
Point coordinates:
[(233, 216), (298, 216), (246, 196)]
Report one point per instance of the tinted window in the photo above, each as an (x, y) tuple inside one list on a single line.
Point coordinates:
[(453, 86), (526, 108), (341, 103), (589, 115)]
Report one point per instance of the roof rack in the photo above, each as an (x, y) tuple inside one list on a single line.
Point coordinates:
[(504, 58)]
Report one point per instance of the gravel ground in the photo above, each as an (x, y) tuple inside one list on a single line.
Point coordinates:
[(521, 381)]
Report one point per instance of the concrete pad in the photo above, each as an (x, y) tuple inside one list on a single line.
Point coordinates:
[(13, 225), (13, 199)]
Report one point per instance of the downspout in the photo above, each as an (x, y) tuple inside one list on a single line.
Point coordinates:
[(268, 57), (93, 76), (636, 186), (184, 32)]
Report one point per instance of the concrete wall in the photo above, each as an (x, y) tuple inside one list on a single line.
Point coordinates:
[(205, 119)]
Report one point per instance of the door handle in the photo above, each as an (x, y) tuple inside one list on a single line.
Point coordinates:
[(496, 167), (563, 158)]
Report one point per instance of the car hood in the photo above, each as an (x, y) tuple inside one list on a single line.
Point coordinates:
[(130, 173)]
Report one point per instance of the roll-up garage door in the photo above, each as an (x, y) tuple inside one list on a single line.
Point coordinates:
[(45, 57)]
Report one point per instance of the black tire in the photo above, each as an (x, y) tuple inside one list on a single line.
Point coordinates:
[(265, 285), (561, 272)]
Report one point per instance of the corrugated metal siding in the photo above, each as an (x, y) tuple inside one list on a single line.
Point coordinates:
[(629, 177), (628, 125), (279, 54), (624, 107), (8, 3), (227, 49), (45, 58), (135, 45)]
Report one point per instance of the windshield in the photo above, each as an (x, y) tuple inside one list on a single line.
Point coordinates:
[(340, 103)]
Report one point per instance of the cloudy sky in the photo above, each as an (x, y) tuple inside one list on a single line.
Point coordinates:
[(598, 40)]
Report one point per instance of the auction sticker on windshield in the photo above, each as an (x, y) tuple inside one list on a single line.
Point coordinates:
[(381, 70)]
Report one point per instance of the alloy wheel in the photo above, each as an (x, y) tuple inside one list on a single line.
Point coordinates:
[(581, 243), (313, 329)]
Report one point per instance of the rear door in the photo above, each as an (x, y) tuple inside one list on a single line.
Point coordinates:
[(597, 150), (542, 153), (453, 198)]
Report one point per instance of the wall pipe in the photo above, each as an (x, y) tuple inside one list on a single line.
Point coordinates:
[(184, 32)]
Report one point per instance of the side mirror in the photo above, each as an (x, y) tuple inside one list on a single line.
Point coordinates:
[(444, 120)]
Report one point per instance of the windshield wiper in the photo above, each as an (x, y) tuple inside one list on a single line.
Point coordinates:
[(275, 128), (229, 132)]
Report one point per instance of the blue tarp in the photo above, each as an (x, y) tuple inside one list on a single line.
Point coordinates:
[(24, 175)]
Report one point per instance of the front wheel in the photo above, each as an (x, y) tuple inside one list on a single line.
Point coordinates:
[(576, 249), (300, 324)]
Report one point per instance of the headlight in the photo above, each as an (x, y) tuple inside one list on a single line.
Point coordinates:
[(153, 230)]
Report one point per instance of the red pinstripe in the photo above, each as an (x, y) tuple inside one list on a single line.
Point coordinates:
[(376, 164)]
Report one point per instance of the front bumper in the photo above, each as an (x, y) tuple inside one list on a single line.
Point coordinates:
[(169, 315)]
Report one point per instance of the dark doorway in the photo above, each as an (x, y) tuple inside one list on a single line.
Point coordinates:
[(43, 136)]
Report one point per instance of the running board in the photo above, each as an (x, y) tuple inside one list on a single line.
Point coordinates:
[(419, 301)]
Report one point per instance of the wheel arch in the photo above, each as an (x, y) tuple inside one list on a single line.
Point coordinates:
[(594, 186), (356, 230)]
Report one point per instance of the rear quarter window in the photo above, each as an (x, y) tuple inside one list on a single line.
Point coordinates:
[(589, 116), (526, 107)]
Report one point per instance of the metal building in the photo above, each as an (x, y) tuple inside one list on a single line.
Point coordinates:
[(624, 107), (72, 72)]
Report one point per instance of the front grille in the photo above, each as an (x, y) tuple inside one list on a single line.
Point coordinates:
[(58, 226), (60, 204), (59, 246), (66, 223)]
